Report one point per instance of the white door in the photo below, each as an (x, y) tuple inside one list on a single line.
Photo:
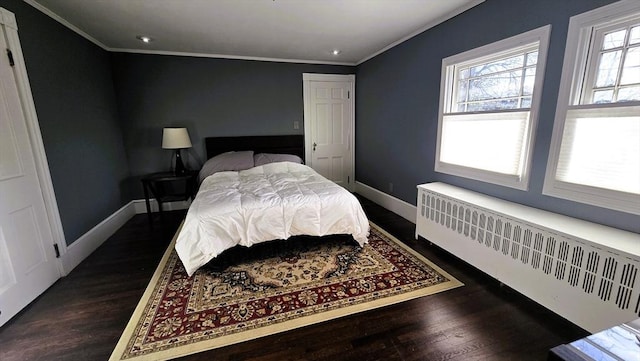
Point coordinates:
[(28, 263), (329, 126)]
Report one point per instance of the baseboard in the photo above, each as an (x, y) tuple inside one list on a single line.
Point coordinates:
[(393, 204), (90, 241), (141, 206)]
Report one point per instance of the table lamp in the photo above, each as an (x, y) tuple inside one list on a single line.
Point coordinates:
[(176, 138)]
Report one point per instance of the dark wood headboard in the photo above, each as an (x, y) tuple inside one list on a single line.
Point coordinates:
[(284, 144)]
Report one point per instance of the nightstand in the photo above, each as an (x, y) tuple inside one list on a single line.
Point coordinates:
[(169, 187)]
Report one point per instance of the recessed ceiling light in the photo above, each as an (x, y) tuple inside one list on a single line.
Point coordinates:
[(336, 52), (144, 39)]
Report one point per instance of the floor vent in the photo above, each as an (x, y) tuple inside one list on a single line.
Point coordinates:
[(585, 272)]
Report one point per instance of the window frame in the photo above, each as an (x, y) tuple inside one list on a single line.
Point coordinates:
[(577, 65), (448, 89), (454, 69), (589, 77)]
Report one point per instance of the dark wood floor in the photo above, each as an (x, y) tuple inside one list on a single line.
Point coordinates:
[(82, 316)]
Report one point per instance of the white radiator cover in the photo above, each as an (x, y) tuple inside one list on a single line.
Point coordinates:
[(585, 272)]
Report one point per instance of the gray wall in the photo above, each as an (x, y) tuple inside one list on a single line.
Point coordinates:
[(102, 114), (211, 97), (397, 104), (75, 101)]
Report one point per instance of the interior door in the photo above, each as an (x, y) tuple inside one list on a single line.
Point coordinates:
[(28, 263), (329, 126)]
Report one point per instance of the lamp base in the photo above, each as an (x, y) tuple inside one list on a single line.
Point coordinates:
[(180, 169)]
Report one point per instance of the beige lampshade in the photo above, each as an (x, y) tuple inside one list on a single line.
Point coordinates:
[(175, 138)]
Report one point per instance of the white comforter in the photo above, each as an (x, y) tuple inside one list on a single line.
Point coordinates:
[(273, 201)]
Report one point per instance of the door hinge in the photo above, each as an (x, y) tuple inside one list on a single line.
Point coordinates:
[(55, 247), (10, 56), (348, 94)]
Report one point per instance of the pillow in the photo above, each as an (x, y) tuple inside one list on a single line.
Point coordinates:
[(229, 161), (265, 158)]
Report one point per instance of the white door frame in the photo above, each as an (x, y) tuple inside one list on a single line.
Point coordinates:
[(8, 20), (307, 78)]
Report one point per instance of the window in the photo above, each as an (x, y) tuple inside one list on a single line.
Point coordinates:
[(489, 101), (595, 148)]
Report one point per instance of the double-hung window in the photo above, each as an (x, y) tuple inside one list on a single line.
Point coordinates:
[(489, 100), (595, 149)]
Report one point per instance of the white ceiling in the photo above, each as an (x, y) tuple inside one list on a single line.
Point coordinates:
[(282, 30)]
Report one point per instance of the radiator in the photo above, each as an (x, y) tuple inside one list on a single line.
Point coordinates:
[(584, 272)]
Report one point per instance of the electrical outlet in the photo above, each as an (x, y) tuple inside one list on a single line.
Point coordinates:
[(296, 124)]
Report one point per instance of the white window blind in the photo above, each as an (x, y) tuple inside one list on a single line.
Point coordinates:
[(494, 142), (488, 104), (595, 147), (601, 148)]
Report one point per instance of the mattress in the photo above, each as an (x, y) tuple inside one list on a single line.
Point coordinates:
[(269, 202)]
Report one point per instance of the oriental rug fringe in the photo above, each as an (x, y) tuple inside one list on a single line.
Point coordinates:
[(270, 289)]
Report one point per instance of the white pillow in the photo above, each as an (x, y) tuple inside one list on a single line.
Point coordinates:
[(265, 158), (229, 161)]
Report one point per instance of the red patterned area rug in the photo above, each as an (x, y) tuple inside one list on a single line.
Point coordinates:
[(270, 289)]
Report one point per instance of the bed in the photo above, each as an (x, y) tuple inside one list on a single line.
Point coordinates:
[(271, 197)]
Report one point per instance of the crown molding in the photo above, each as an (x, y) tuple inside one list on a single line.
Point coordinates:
[(77, 30), (430, 25), (62, 21), (224, 56)]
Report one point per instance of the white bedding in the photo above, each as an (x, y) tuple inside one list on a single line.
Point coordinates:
[(269, 202)]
